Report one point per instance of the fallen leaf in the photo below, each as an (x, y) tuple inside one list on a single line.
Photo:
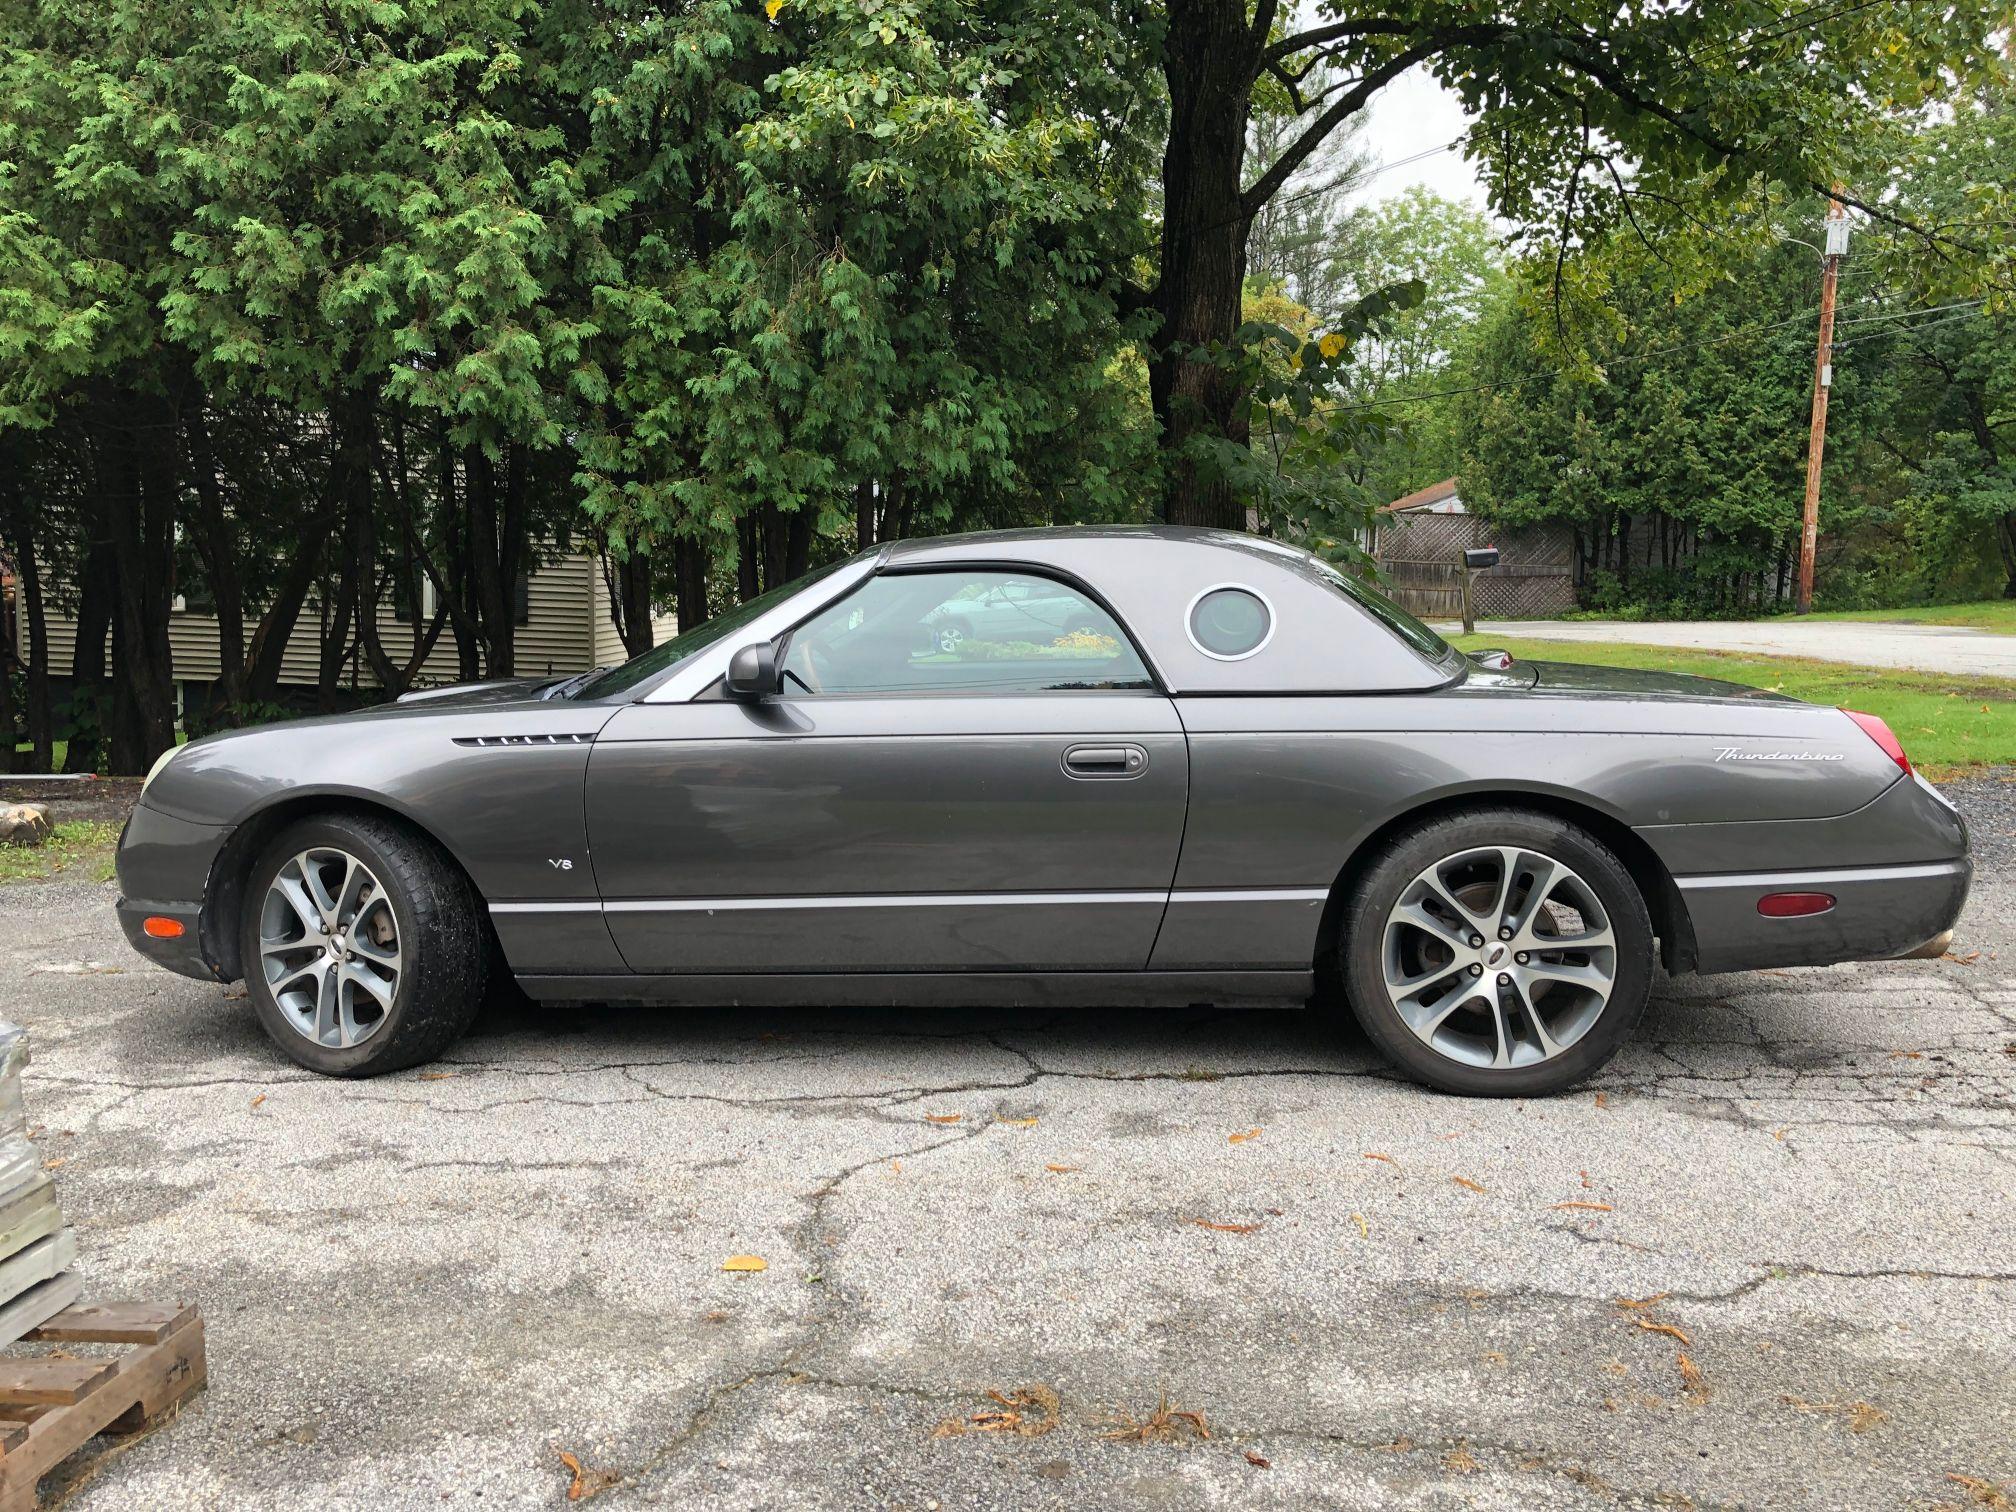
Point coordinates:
[(259, 1099), (586, 1482), (1227, 1228), (1387, 1158), (1693, 1384), (745, 1263), (1860, 1416), (1011, 1415), (1165, 1424), (1643, 1301), (1364, 1230), (1062, 1170), (1258, 1461), (1672, 1331), (1461, 1460), (1959, 960), (1401, 1445), (1588, 1207), (437, 1075), (1017, 1123), (1492, 1357), (944, 1117), (1242, 1138), (1983, 1492), (1779, 1134), (54, 1161), (1465, 1181), (1602, 1099), (1907, 1055)]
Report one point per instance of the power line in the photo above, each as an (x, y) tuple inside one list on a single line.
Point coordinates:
[(1629, 358)]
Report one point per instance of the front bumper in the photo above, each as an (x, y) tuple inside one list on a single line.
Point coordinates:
[(164, 872), (182, 954), (1879, 913)]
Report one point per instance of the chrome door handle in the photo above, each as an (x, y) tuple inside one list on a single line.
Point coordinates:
[(1105, 761)]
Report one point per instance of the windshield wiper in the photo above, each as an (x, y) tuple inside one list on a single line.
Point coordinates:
[(567, 686)]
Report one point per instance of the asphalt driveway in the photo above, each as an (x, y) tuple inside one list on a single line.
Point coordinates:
[(423, 1290), (1925, 648)]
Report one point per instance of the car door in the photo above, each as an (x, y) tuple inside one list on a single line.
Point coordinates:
[(1013, 803)]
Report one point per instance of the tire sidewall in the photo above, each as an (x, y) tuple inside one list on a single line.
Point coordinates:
[(383, 1046), (1406, 858)]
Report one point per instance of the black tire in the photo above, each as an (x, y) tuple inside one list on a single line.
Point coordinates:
[(444, 947), (1405, 857)]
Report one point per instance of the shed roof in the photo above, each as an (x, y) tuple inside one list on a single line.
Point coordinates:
[(1421, 498)]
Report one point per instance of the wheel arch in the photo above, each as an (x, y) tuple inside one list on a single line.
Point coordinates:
[(224, 896), (1655, 884)]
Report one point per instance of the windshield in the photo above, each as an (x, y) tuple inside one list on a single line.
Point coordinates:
[(1388, 613), (641, 669)]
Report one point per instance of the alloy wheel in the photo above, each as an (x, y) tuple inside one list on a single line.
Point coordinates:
[(329, 947), (1499, 957)]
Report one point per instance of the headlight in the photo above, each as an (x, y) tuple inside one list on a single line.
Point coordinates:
[(155, 770)]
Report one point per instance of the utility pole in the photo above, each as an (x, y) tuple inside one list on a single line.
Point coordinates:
[(1823, 381)]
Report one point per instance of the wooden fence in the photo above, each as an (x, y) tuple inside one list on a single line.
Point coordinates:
[(1422, 557)]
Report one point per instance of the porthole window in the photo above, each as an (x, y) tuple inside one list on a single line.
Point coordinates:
[(1230, 623)]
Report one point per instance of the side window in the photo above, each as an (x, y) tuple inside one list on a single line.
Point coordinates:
[(961, 632)]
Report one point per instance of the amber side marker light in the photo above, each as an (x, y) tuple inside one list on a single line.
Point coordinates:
[(163, 929), (1794, 905)]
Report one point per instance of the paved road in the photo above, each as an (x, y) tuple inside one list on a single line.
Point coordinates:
[(422, 1288), (1928, 648)]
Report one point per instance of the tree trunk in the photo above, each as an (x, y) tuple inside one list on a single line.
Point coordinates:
[(864, 514), (748, 558), (141, 514), (217, 545), (29, 606), (89, 723), (1209, 66), (689, 570), (628, 584)]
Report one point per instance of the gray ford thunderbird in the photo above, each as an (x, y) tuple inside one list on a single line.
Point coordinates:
[(1066, 767)]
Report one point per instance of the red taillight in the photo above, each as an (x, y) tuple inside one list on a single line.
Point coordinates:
[(1794, 905), (1879, 732), (163, 929)]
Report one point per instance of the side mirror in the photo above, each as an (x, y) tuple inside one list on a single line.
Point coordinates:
[(1480, 558), (752, 673)]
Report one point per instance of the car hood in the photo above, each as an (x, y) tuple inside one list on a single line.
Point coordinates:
[(497, 690)]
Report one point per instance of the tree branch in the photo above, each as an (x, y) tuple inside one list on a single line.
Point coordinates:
[(1335, 31), (1349, 104)]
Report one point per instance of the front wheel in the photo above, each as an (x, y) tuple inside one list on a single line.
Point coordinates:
[(363, 946), (1498, 952)]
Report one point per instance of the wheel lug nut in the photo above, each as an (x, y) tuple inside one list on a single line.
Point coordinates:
[(1504, 979), (1476, 942), (1505, 934), (1476, 971), (1520, 958)]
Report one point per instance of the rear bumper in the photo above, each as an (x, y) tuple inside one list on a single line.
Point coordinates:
[(1879, 913)]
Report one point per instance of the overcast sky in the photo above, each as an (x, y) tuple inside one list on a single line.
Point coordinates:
[(1412, 115)]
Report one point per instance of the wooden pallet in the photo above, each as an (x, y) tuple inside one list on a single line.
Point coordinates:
[(52, 1406)]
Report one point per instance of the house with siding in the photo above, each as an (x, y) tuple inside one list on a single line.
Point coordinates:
[(564, 626)]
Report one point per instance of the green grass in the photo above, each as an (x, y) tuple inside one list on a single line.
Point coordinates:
[(1995, 615), (77, 846), (1949, 725)]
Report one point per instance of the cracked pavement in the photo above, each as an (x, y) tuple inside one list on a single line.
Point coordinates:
[(421, 1289)]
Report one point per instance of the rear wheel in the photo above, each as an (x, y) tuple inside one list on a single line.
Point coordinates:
[(363, 945), (1498, 952)]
